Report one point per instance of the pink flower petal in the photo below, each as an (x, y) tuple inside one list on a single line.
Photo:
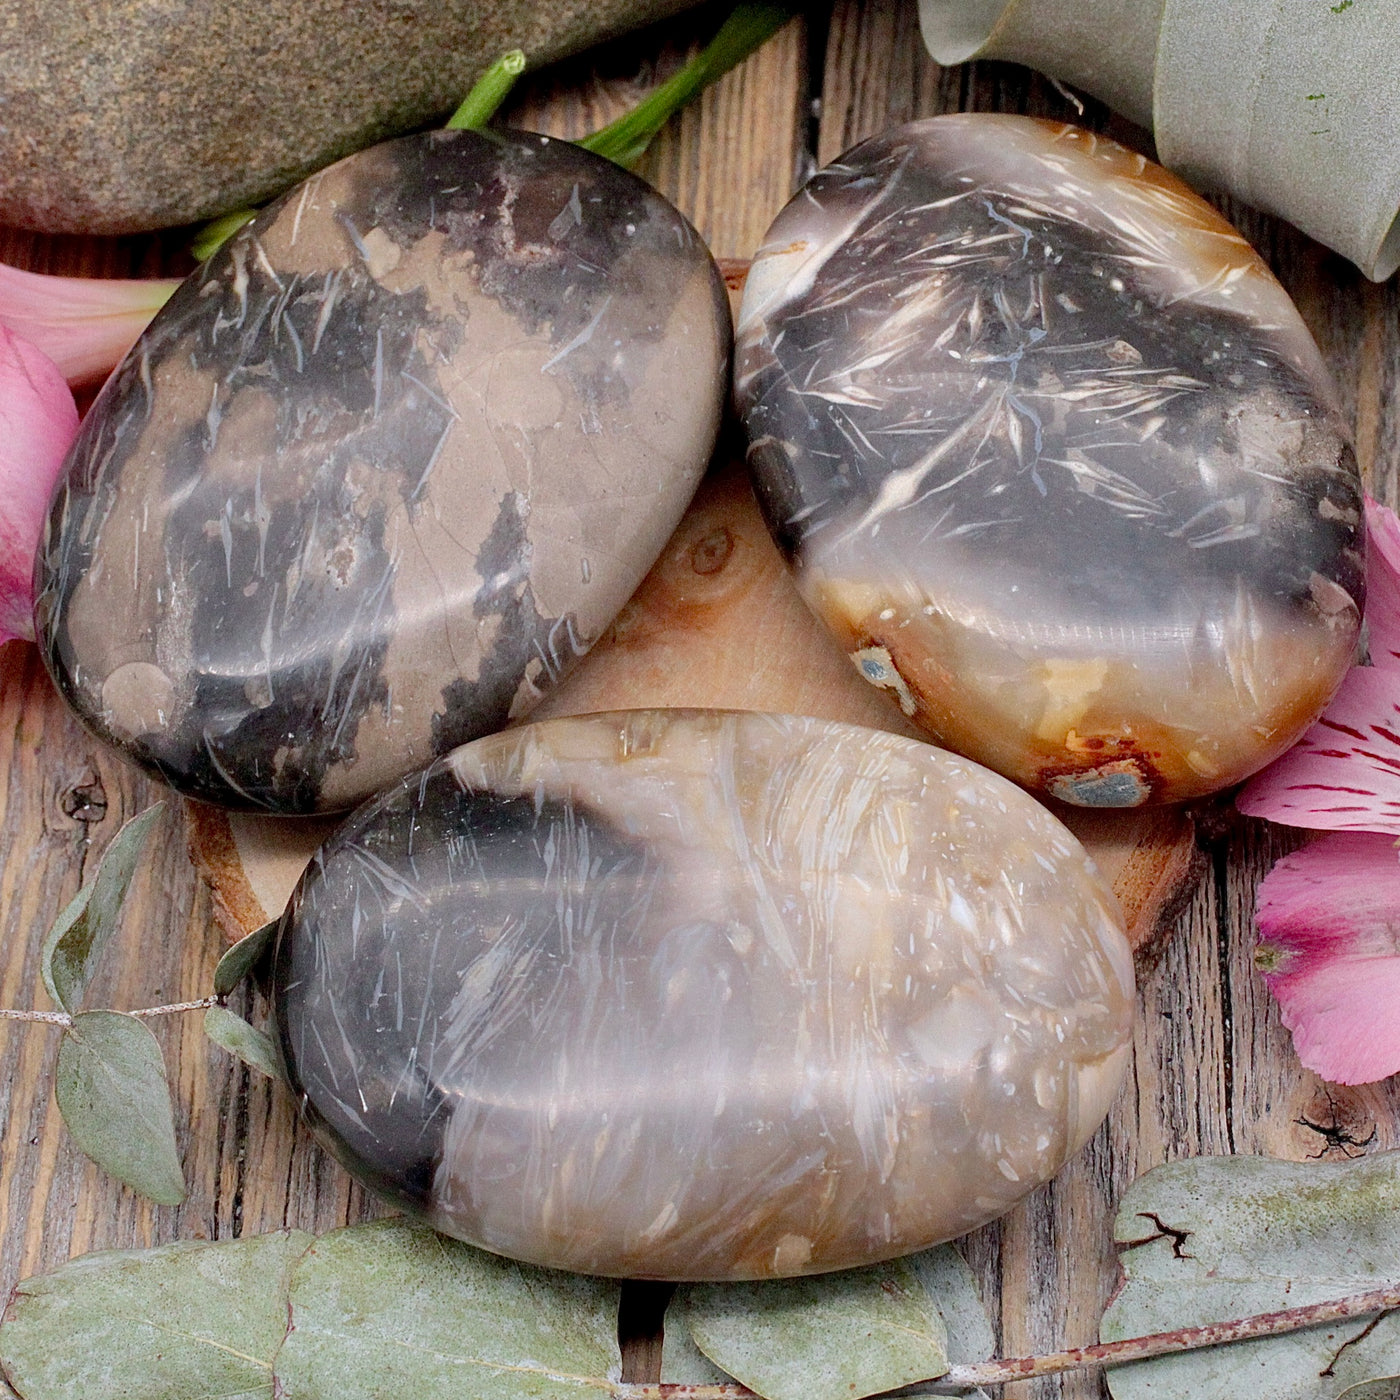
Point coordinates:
[(83, 324), (1344, 773), (1329, 949), (1383, 584), (38, 422)]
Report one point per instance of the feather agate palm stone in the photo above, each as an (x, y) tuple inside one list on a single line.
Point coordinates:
[(1054, 457), (383, 468), (703, 995)]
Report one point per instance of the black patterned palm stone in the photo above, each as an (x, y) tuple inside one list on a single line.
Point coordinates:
[(383, 468), (1054, 457)]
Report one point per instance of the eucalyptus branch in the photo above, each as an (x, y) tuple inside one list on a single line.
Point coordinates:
[(62, 1018), (1020, 1368), (1270, 1324), (48, 1018), (203, 1004)]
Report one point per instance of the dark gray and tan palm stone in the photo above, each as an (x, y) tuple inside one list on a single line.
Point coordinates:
[(383, 469), (133, 114), (1054, 457), (695, 994)]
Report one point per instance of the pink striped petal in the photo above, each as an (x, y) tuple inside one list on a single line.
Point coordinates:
[(83, 324), (38, 422), (1329, 949), (1383, 584), (1344, 773)]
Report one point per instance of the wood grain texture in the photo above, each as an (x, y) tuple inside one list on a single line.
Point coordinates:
[(1213, 1069)]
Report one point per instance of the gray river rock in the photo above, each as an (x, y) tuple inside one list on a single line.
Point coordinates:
[(383, 469), (134, 114), (694, 994)]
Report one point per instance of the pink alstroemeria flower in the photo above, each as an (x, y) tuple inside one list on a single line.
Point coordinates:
[(1329, 914), (38, 422), (83, 324)]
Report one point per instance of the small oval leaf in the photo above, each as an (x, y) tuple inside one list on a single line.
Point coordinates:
[(240, 960), (112, 1091), (390, 1309), (1214, 1238), (834, 1337), (75, 942), (184, 1320), (252, 1046)]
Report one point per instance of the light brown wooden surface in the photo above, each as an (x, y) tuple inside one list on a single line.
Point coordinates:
[(1213, 1070)]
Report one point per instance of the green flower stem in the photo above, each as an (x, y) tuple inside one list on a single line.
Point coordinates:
[(478, 107), (625, 140), (215, 234), (748, 28), (488, 92)]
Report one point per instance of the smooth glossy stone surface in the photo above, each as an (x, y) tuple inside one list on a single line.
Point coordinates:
[(383, 468), (696, 994), (1054, 457)]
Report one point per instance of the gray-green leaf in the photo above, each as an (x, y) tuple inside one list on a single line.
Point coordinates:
[(682, 1362), (1386, 1388), (240, 960), (79, 934), (114, 1097), (252, 1046), (835, 1337), (1215, 1238), (182, 1321), (950, 1285), (389, 1309)]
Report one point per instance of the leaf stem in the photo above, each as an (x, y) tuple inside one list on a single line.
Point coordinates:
[(1020, 1368), (217, 232), (1270, 1324), (203, 1004), (488, 92), (62, 1018), (747, 28)]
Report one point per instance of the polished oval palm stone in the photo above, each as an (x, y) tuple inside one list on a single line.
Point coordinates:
[(383, 468), (1054, 457), (697, 994)]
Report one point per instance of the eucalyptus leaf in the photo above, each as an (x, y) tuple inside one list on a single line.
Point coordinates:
[(182, 1321), (390, 1309), (1215, 1238), (950, 1285), (682, 1362), (252, 1046), (942, 1274), (78, 936), (1387, 1388), (112, 1091), (242, 958), (833, 1337)]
